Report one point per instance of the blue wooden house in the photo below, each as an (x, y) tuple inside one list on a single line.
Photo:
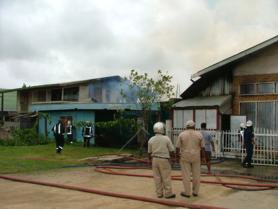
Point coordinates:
[(87, 100)]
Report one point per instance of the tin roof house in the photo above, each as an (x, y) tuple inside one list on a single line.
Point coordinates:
[(87, 100), (239, 88)]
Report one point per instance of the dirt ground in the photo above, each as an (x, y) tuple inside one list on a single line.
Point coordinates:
[(15, 195)]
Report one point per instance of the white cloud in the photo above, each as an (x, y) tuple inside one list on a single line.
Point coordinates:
[(53, 41)]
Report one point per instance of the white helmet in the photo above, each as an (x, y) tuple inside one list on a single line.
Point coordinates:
[(242, 125), (249, 123), (158, 128)]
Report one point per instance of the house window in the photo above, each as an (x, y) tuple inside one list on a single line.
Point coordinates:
[(39, 96), (56, 94), (248, 109), (261, 113), (181, 117), (209, 116), (265, 115), (246, 89), (108, 95), (71, 94), (266, 88), (95, 92)]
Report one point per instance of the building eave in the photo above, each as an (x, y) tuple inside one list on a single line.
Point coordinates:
[(236, 57)]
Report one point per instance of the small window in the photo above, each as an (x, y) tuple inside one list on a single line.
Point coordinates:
[(95, 92), (249, 88), (56, 94), (266, 88), (71, 94), (39, 96), (248, 109)]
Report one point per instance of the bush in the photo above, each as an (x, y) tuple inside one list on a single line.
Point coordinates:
[(23, 137), (115, 133)]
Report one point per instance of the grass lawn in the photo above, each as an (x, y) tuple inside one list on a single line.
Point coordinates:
[(14, 159)]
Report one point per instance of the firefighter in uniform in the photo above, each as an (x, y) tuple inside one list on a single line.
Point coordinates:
[(87, 133), (249, 142), (159, 149), (69, 132), (58, 131), (189, 144)]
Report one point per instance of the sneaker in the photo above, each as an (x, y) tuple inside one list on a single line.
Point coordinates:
[(250, 166), (160, 196), (171, 196), (184, 195), (195, 195)]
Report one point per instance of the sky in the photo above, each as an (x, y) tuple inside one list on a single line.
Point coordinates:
[(50, 41)]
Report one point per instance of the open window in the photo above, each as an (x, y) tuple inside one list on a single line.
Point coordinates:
[(56, 94), (71, 94), (39, 96)]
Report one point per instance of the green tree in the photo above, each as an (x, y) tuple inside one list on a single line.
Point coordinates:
[(149, 92)]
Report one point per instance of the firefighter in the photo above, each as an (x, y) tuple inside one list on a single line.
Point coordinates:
[(249, 142), (160, 148), (58, 131), (87, 133), (188, 147), (69, 132)]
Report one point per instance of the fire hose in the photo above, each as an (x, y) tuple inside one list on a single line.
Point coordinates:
[(112, 194), (234, 185), (109, 169)]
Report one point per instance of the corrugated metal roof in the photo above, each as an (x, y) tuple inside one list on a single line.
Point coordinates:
[(213, 101), (236, 57)]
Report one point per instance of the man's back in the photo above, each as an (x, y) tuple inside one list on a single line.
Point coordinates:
[(207, 139), (160, 146), (190, 143)]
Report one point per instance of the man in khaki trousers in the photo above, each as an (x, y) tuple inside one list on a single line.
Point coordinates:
[(159, 149), (188, 147)]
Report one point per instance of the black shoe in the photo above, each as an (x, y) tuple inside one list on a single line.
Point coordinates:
[(184, 195), (171, 196), (195, 195), (250, 166), (160, 196)]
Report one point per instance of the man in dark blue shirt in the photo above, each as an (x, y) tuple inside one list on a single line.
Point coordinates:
[(248, 136)]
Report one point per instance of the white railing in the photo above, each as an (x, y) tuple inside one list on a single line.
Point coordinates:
[(228, 144)]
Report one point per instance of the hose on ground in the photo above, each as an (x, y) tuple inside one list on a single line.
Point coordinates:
[(108, 169), (112, 194)]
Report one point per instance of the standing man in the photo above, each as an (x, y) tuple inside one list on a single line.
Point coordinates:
[(249, 142), (69, 132), (159, 149), (188, 147), (58, 131), (87, 133), (208, 141)]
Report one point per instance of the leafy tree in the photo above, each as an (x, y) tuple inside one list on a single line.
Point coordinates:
[(150, 92)]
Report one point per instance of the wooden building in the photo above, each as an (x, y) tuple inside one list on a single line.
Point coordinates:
[(239, 88)]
